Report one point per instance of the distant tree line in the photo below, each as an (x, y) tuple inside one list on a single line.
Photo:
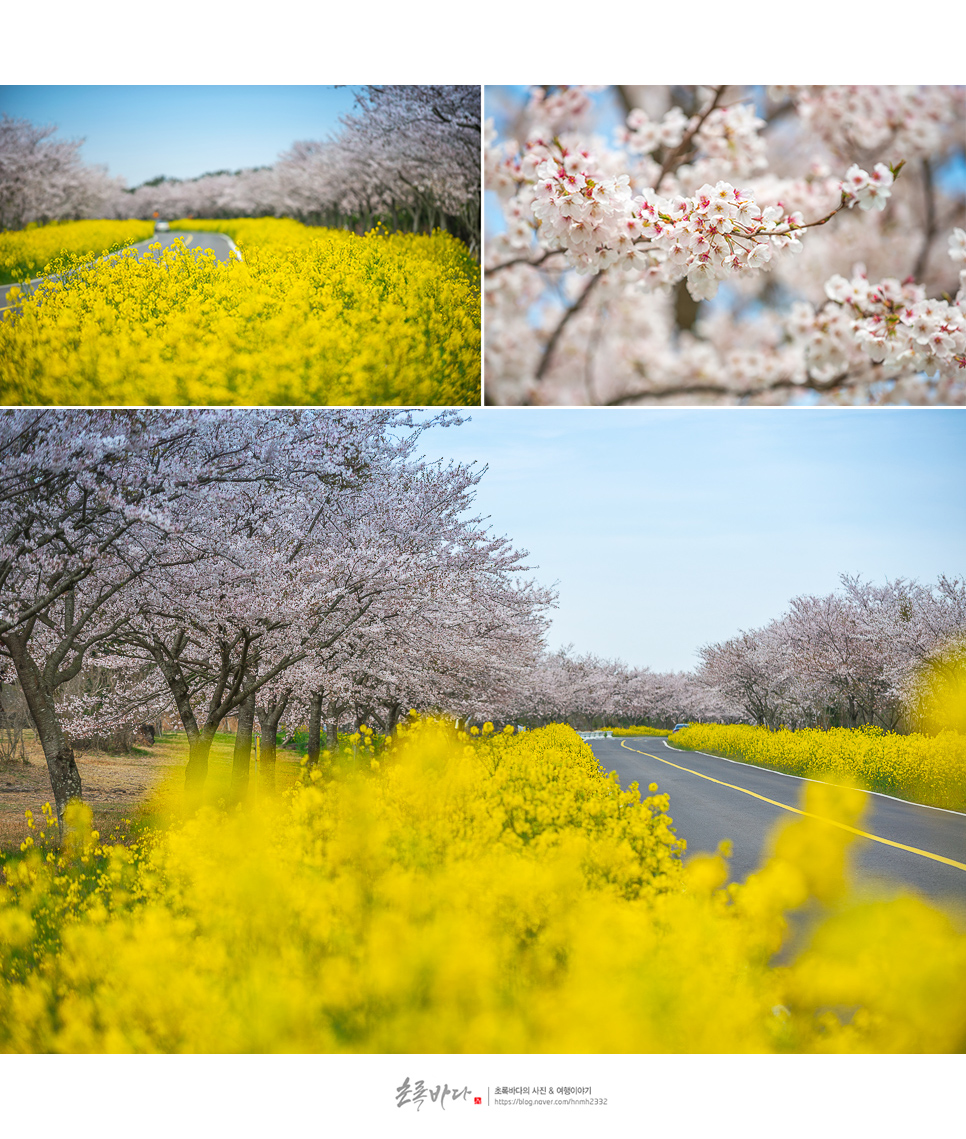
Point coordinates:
[(866, 654)]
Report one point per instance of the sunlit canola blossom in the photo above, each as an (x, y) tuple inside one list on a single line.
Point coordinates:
[(26, 253), (465, 893), (928, 769), (308, 316)]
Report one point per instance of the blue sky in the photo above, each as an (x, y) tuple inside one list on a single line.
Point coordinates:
[(671, 528), (180, 131)]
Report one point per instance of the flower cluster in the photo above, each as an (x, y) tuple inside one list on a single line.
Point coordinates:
[(472, 895), (706, 238), (550, 111), (642, 135), (588, 215), (869, 190), (892, 322), (719, 232), (26, 253), (727, 140), (908, 121), (731, 136), (312, 316)]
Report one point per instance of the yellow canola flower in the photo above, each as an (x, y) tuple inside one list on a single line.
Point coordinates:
[(924, 769), (504, 895), (310, 316), (28, 253), (939, 697), (638, 730)]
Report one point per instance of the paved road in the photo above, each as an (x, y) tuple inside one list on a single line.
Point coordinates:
[(705, 812), (223, 246)]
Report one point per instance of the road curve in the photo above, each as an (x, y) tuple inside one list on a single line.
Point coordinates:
[(714, 799), (197, 242)]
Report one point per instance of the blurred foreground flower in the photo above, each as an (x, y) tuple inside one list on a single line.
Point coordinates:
[(503, 895)]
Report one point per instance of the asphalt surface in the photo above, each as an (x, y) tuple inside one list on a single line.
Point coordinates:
[(196, 243), (705, 812), (224, 248)]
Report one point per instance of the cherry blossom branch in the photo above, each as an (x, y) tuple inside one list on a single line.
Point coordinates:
[(562, 324), (724, 217), (734, 393), (930, 233), (525, 261), (678, 154), (592, 343)]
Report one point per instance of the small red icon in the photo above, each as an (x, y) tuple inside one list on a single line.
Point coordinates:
[(477, 1099)]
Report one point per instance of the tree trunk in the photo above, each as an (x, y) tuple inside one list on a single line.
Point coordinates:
[(268, 719), (315, 728), (332, 735), (64, 777), (196, 772), (242, 758), (266, 764), (392, 718)]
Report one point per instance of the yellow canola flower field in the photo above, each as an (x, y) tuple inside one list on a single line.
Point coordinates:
[(479, 894), (924, 769), (28, 253), (638, 730), (310, 316)]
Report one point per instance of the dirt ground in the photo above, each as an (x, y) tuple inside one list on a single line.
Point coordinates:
[(114, 785), (122, 787)]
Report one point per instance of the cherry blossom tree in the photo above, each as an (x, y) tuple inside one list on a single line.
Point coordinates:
[(126, 525), (86, 508), (408, 157), (454, 628), (320, 532), (852, 657), (420, 147), (588, 691), (728, 245), (43, 180), (866, 654)]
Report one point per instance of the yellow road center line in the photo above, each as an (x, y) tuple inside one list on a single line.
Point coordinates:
[(798, 811)]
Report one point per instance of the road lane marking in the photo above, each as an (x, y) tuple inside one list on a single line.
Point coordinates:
[(798, 811)]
